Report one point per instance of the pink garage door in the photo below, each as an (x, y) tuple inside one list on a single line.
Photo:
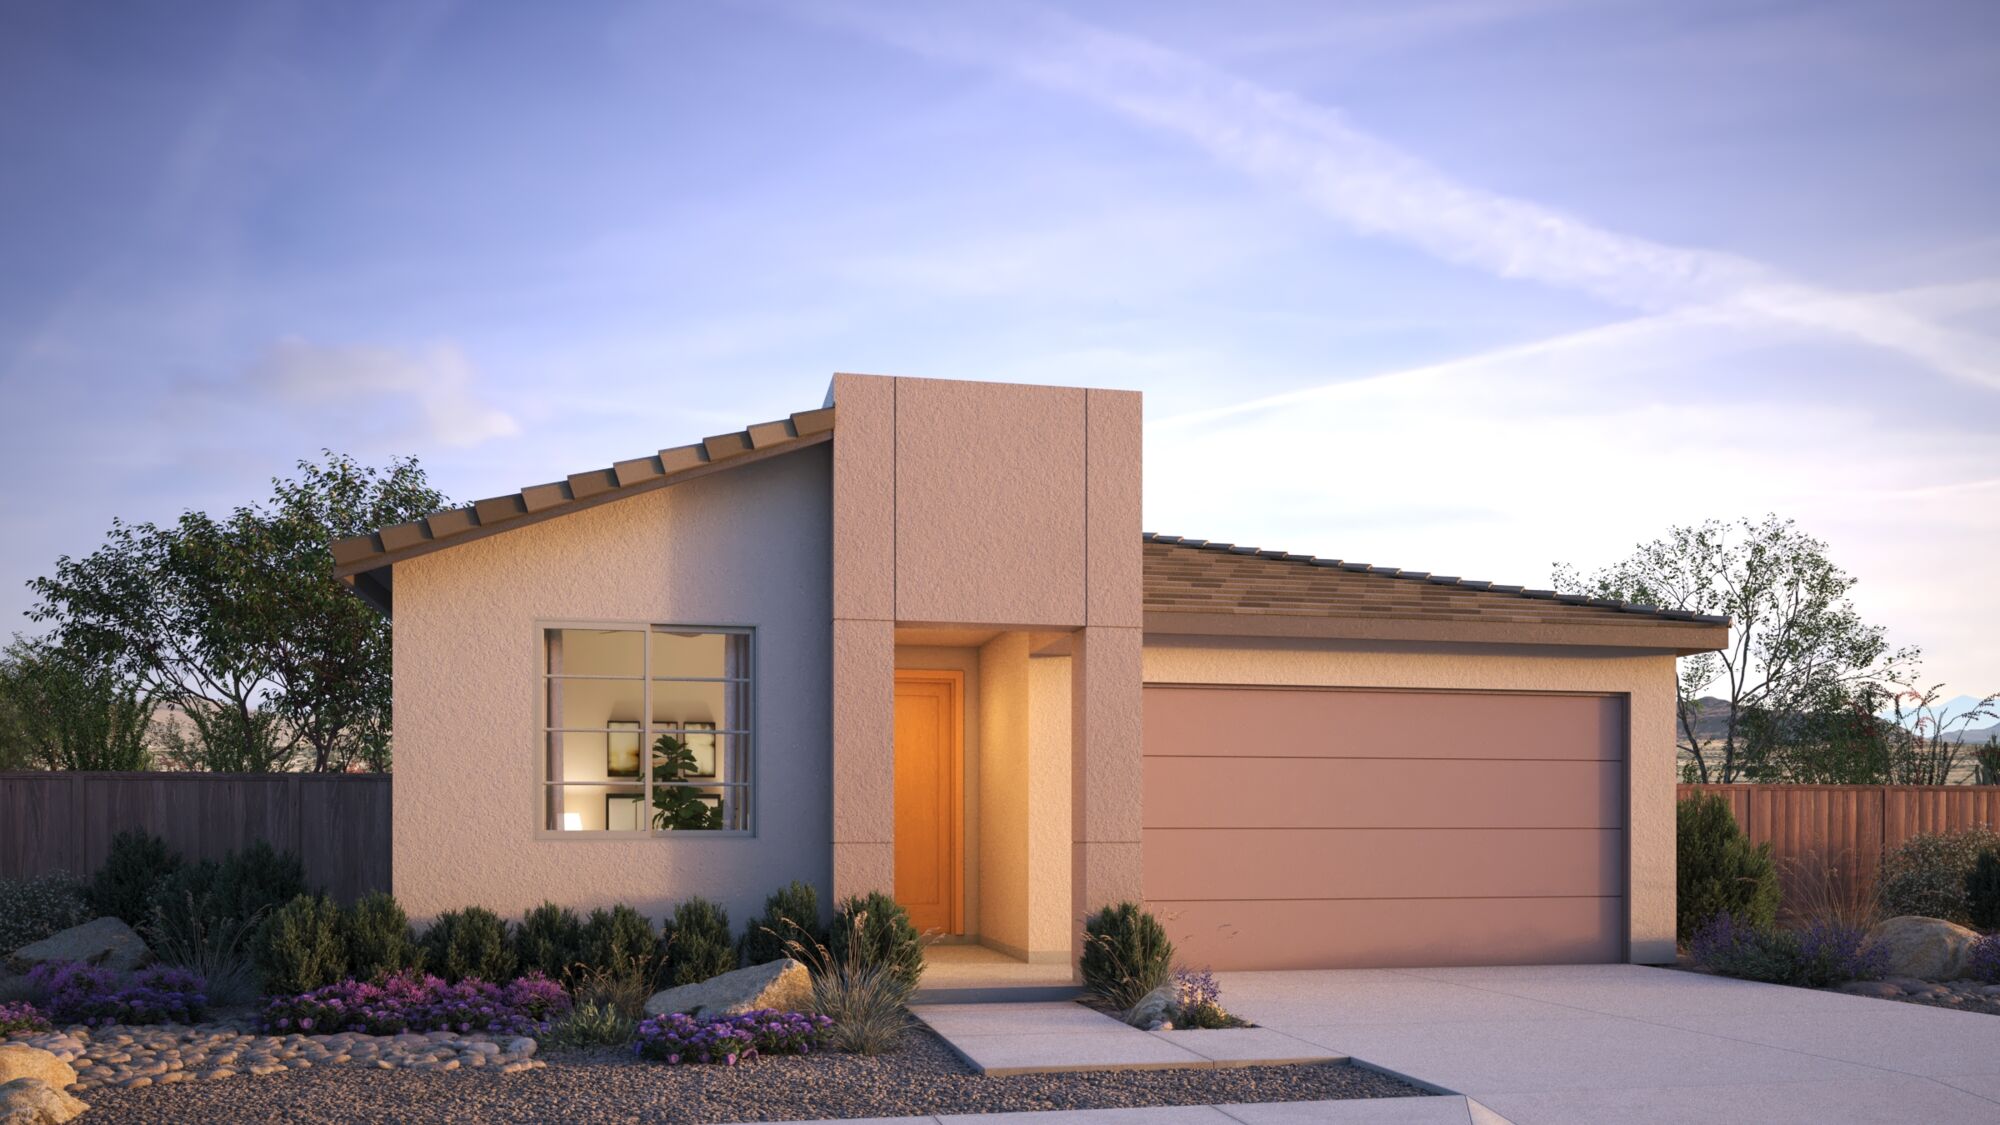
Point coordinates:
[(1305, 828)]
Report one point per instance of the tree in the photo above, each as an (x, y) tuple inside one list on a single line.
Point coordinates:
[(59, 713), (238, 624), (1796, 641), (1929, 750), (1840, 739)]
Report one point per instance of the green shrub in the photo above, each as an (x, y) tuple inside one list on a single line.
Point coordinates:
[(1719, 870), (378, 938), (791, 918), (1982, 891), (1126, 956), (185, 902), (469, 943), (258, 879), (878, 932), (549, 940), (1926, 874), (592, 1023), (137, 862), (300, 946), (620, 946), (40, 905), (695, 943)]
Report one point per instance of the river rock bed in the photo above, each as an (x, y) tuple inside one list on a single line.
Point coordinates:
[(120, 1057)]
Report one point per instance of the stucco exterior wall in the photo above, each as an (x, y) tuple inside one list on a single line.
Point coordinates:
[(1002, 783), (750, 547), (1645, 680)]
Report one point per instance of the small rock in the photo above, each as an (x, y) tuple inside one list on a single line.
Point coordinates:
[(20, 1061), (1930, 949), (31, 1101), (783, 984), (1877, 989), (101, 941)]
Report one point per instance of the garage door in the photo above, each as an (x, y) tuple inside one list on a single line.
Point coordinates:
[(1290, 828)]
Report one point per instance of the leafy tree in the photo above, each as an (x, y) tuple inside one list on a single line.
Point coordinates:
[(1928, 746), (1796, 640), (58, 712), (1841, 739), (238, 624)]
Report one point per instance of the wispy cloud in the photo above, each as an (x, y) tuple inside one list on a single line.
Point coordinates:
[(1380, 189), (402, 399)]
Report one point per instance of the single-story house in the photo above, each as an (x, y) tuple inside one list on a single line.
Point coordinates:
[(916, 641)]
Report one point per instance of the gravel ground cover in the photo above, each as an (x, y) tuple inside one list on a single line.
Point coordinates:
[(923, 1077), (1963, 995)]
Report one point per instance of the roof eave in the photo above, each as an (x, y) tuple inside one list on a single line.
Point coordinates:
[(1652, 635)]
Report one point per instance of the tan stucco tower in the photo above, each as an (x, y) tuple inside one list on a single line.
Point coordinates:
[(989, 506)]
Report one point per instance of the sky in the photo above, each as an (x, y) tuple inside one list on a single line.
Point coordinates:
[(1470, 288)]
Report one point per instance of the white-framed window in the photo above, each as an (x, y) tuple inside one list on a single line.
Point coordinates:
[(645, 729)]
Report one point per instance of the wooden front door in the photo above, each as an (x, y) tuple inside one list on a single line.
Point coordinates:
[(930, 768)]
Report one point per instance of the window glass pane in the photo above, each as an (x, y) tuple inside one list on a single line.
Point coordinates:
[(595, 808), (595, 703), (700, 756), (595, 652), (678, 703), (701, 808), (611, 756), (704, 656)]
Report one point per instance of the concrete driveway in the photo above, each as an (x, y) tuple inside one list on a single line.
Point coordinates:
[(1599, 1044)]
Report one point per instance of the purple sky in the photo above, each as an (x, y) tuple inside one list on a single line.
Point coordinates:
[(1487, 285)]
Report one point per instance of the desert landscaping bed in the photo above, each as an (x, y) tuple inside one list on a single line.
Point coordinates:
[(923, 1077)]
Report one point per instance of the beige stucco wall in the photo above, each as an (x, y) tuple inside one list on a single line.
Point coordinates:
[(1646, 680), (749, 547), (964, 504), (1002, 784)]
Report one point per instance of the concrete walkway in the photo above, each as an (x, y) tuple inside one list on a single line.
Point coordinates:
[(1602, 1044)]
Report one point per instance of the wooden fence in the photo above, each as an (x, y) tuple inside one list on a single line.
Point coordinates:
[(1850, 827), (338, 824)]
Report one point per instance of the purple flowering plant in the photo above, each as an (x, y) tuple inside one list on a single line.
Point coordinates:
[(72, 992), (413, 1001), (1984, 964), (1824, 953), (20, 1018), (728, 1040)]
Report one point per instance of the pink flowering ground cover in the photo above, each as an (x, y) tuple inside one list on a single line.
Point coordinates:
[(728, 1040), (420, 1002)]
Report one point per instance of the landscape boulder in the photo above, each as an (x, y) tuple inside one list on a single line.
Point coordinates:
[(1925, 948), (18, 1060), (784, 985), (100, 941), (31, 1101)]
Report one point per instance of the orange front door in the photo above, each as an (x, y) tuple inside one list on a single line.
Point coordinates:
[(929, 772)]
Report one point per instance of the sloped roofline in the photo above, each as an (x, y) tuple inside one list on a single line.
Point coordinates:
[(1442, 580), (364, 562)]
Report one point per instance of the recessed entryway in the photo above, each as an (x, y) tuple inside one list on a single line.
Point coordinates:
[(930, 798)]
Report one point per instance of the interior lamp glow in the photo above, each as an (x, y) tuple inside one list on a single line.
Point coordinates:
[(572, 822)]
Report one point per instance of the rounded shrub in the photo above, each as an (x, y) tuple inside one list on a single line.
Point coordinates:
[(1982, 891), (258, 879), (549, 940), (1926, 874), (1719, 870), (470, 943), (40, 905), (1126, 955), (378, 938), (695, 943), (620, 945), (136, 864), (301, 948), (791, 915), (875, 930)]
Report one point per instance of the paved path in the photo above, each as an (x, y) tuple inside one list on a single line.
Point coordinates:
[(1604, 1044)]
